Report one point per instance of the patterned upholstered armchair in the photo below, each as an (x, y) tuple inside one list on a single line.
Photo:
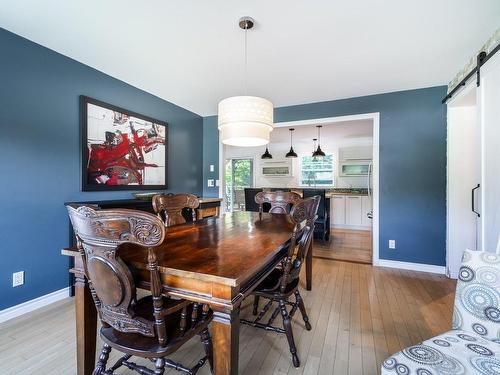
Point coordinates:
[(473, 345)]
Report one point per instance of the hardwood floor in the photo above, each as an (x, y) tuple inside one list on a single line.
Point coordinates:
[(360, 314), (347, 245)]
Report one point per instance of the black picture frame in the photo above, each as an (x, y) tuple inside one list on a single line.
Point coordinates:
[(86, 184)]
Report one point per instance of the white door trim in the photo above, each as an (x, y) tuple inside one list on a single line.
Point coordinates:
[(375, 117)]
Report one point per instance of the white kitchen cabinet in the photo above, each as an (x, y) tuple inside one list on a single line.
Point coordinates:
[(356, 153), (353, 210), (349, 211), (337, 211), (366, 207)]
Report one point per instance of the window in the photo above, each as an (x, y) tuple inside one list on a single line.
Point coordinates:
[(317, 172)]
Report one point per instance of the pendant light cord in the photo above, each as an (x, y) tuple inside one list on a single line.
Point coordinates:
[(246, 61)]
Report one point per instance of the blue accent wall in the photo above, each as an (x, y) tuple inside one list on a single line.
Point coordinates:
[(210, 155), (412, 166), (40, 157)]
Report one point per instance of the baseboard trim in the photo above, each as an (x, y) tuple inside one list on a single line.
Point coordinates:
[(34, 304), (412, 266), (352, 227)]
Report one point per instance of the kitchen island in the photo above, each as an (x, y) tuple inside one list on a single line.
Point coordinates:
[(348, 207)]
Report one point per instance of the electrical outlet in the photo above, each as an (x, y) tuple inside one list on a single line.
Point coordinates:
[(212, 168), (17, 278), (211, 182), (392, 244)]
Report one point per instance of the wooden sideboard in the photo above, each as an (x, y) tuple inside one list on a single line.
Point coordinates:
[(208, 206)]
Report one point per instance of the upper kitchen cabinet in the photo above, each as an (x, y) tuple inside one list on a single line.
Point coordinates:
[(356, 153)]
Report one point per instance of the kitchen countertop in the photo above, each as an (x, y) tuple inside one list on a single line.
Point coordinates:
[(209, 200), (329, 194), (334, 191)]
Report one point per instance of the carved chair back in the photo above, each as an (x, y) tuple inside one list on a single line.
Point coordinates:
[(99, 234), (304, 213), (322, 209), (169, 207), (280, 201)]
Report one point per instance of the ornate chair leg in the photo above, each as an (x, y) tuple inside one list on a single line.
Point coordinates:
[(207, 343), (302, 308), (103, 359), (287, 325), (159, 366), (255, 304)]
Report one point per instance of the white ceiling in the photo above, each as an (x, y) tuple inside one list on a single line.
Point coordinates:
[(334, 132), (190, 52)]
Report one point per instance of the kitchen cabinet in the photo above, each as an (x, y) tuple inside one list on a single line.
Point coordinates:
[(366, 207), (353, 210), (350, 211), (337, 211), (356, 153)]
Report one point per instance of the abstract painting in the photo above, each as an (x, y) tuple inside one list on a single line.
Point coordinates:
[(121, 150)]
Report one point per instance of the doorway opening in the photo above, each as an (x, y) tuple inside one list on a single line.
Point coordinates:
[(238, 175), (354, 213)]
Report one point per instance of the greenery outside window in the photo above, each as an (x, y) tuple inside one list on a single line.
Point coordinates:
[(316, 172)]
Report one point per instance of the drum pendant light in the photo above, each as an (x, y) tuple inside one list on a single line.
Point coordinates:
[(319, 152), (245, 120), (291, 153)]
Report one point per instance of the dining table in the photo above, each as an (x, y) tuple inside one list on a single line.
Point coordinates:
[(216, 261)]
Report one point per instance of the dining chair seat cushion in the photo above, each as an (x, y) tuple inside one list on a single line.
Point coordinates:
[(272, 283), (143, 346), (453, 352)]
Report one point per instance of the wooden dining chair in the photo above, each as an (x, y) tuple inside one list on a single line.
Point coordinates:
[(152, 327), (322, 223), (169, 207), (283, 281), (280, 201), (250, 204)]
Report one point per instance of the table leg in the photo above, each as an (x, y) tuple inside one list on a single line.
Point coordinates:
[(226, 338), (86, 327), (309, 266)]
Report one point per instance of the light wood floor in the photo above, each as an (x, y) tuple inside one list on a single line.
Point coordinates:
[(360, 314), (347, 245)]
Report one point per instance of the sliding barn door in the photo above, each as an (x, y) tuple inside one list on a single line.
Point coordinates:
[(463, 175), (489, 107)]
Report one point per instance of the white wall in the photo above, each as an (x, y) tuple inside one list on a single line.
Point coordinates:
[(334, 137)]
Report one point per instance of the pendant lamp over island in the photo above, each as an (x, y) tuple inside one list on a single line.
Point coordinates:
[(245, 121), (318, 153), (266, 155), (291, 153)]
